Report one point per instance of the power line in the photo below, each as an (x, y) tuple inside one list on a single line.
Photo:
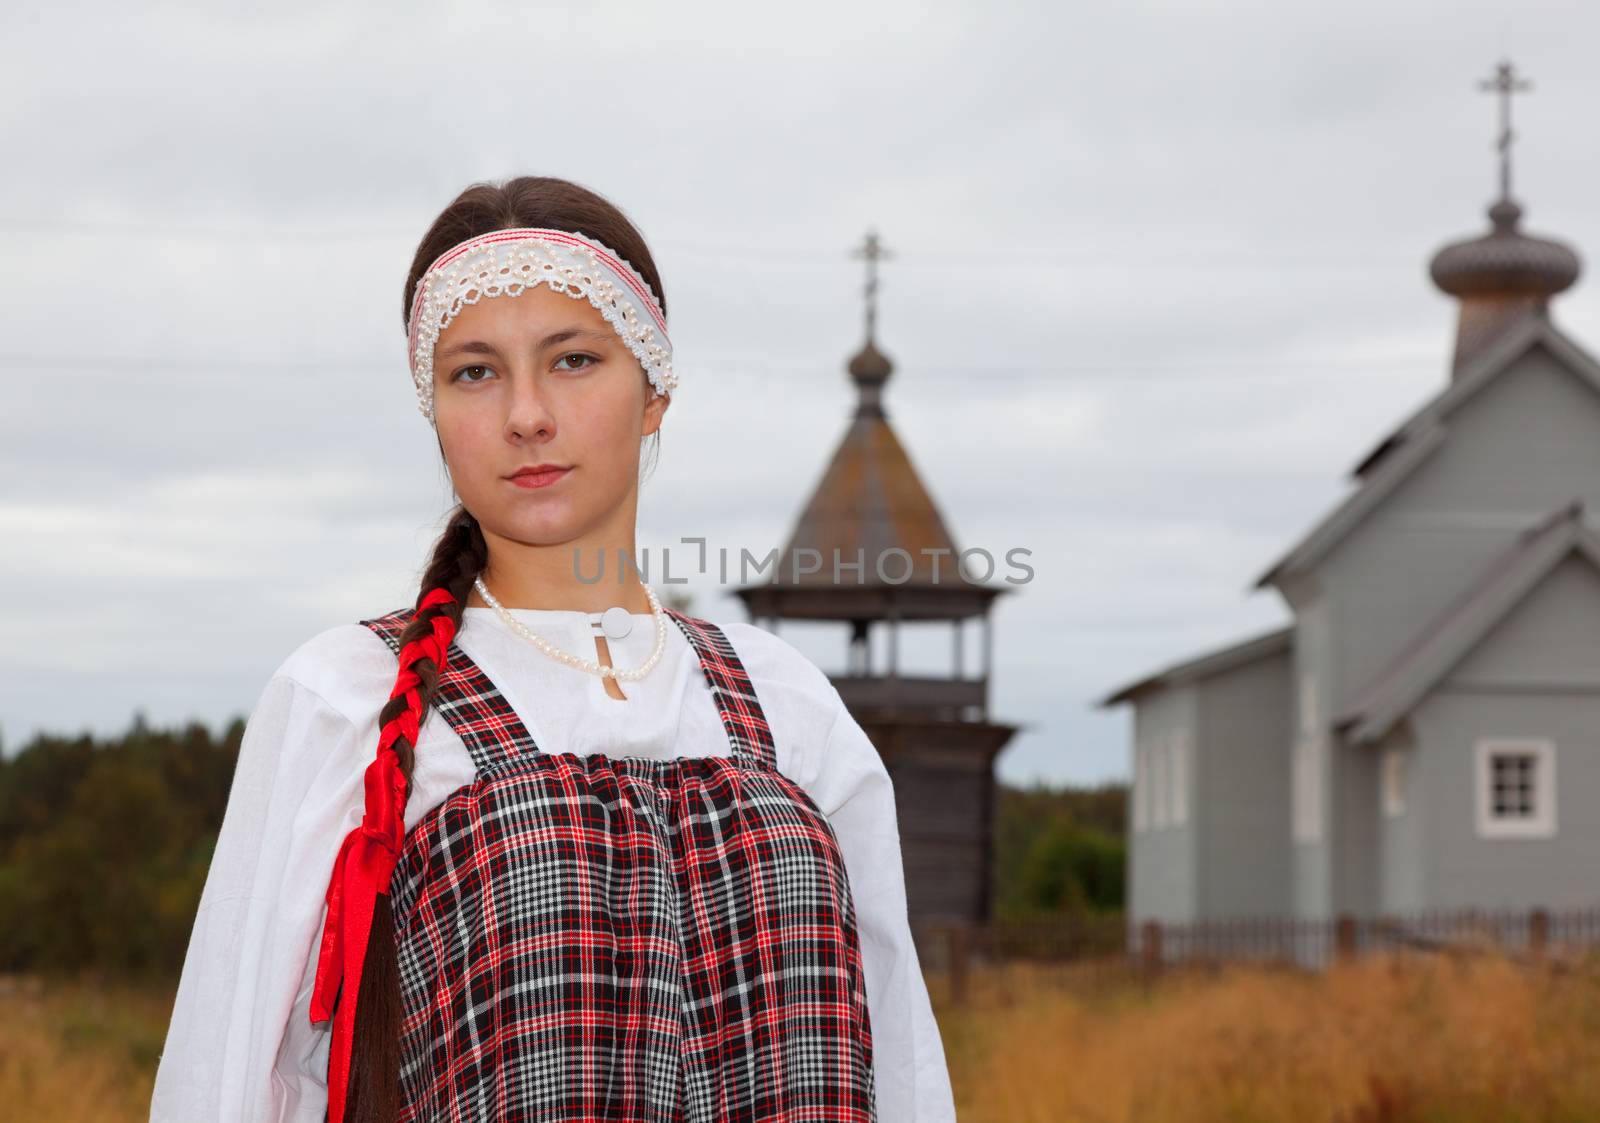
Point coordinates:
[(1023, 256), (190, 231)]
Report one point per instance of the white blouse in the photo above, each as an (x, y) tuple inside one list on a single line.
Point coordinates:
[(240, 1045)]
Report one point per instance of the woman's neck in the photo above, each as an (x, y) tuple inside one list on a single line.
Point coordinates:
[(552, 578)]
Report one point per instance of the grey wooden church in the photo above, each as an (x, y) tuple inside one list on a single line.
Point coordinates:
[(1425, 732), (897, 572)]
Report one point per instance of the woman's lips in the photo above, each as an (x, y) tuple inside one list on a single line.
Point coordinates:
[(541, 478)]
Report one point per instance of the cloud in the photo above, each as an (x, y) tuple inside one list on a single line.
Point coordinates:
[(1158, 282)]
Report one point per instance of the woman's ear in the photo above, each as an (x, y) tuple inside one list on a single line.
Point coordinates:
[(654, 410)]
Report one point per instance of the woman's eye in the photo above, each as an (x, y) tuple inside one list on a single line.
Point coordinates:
[(457, 377), (589, 360)]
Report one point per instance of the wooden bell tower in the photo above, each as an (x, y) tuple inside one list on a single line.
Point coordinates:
[(897, 567)]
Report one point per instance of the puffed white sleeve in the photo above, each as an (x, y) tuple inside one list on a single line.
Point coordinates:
[(853, 789), (235, 1047)]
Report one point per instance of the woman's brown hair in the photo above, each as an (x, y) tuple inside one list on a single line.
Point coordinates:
[(458, 557)]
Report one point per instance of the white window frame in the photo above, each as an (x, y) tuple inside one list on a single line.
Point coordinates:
[(1158, 783), (1141, 784), (1179, 778), (1394, 771), (1542, 823), (1308, 704), (1306, 767), (1307, 782)]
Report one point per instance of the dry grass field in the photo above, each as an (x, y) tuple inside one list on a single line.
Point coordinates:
[(1463, 1039), (84, 1050), (1449, 1039)]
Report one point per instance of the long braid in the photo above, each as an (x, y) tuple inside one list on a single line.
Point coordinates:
[(459, 556)]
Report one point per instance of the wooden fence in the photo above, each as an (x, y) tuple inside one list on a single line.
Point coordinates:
[(1527, 935)]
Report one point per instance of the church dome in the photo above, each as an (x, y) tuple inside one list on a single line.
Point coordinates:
[(1505, 261), (870, 365)]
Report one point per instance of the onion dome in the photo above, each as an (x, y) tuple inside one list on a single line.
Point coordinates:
[(870, 369), (870, 365), (1505, 262)]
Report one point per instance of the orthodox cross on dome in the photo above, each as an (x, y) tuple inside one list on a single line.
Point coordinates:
[(872, 251), (1505, 83)]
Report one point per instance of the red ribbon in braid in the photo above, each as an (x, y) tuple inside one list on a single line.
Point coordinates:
[(367, 859)]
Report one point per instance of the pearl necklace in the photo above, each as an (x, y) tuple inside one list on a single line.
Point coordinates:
[(589, 665)]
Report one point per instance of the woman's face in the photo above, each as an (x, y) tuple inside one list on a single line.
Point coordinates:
[(534, 380)]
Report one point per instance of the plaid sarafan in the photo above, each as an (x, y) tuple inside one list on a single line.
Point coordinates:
[(626, 938)]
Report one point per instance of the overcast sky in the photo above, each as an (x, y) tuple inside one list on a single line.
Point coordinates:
[(1159, 283)]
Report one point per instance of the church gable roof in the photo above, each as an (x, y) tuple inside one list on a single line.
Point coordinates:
[(1398, 455), (1447, 638), (1227, 658)]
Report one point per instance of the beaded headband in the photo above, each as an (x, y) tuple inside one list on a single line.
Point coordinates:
[(505, 262)]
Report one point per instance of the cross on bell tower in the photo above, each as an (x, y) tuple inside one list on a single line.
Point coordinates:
[(1505, 83), (872, 250), (870, 368)]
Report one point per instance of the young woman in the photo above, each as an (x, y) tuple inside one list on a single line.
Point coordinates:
[(534, 848)]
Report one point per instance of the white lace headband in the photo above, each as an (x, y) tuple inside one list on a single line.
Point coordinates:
[(504, 262)]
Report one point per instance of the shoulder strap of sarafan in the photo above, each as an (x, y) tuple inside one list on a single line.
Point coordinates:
[(468, 699), (731, 688)]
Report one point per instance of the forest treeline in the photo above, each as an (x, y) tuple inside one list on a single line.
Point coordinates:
[(105, 843), (1060, 850)]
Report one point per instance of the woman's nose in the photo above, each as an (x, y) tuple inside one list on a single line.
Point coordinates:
[(527, 415)]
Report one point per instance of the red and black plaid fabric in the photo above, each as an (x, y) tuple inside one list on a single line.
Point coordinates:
[(626, 938)]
